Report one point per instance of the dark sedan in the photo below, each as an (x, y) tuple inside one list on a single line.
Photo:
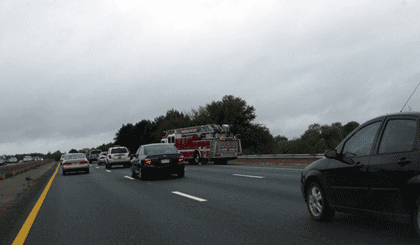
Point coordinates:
[(374, 169), (154, 158)]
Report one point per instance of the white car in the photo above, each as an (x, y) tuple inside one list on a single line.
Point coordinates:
[(118, 155), (75, 162), (28, 159), (102, 158), (62, 159)]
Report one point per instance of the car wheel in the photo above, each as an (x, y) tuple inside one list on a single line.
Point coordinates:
[(317, 203), (87, 171), (144, 174), (181, 173), (133, 173), (64, 172), (415, 218), (196, 158)]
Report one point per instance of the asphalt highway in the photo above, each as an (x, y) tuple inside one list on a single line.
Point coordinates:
[(212, 204)]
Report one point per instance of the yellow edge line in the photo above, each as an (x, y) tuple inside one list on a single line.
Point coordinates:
[(24, 231)]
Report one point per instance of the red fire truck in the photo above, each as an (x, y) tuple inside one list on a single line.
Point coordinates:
[(203, 143)]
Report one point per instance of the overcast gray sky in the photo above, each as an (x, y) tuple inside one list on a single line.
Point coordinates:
[(72, 72)]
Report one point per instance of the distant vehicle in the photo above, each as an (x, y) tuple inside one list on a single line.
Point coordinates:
[(374, 169), (206, 142), (118, 155), (62, 159), (75, 162), (159, 157), (3, 160), (28, 159), (13, 160), (102, 158), (94, 155)]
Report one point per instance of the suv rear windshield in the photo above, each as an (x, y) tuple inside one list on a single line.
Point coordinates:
[(119, 150), (95, 152)]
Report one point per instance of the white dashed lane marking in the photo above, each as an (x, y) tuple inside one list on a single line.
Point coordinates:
[(189, 196), (250, 176), (128, 177), (109, 171)]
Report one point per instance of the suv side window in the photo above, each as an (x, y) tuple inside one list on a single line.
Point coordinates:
[(361, 143), (399, 136)]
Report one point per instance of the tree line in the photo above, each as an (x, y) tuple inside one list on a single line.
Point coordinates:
[(255, 138)]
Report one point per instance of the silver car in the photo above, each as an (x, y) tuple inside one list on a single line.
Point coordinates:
[(102, 158), (3, 160), (75, 162), (62, 159), (28, 159)]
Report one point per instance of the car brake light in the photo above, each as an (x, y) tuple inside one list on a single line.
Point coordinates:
[(181, 158), (109, 156), (66, 163), (128, 155), (148, 161), (83, 162)]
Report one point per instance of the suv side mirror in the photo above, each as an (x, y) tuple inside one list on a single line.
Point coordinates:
[(331, 153)]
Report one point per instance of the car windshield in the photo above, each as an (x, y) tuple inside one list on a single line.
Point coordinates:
[(160, 149), (103, 153), (2, 157), (74, 156), (119, 150)]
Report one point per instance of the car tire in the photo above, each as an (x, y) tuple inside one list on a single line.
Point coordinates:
[(415, 218), (196, 159), (181, 173), (144, 174), (133, 173), (317, 203), (86, 171), (64, 172)]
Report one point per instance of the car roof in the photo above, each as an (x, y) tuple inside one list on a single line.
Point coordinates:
[(406, 113), (157, 144)]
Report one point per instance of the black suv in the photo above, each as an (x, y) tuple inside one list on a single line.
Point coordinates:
[(374, 169), (93, 155)]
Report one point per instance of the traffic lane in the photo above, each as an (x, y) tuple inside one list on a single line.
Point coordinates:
[(79, 210), (294, 225), (261, 202), (252, 171)]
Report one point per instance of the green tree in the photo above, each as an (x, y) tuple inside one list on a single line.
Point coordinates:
[(73, 151), (349, 127)]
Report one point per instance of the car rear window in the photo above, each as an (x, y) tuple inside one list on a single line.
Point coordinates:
[(95, 152), (160, 149), (75, 156), (2, 157), (119, 150)]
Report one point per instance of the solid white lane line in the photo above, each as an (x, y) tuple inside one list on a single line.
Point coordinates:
[(189, 196), (267, 168), (250, 176), (108, 171), (128, 177)]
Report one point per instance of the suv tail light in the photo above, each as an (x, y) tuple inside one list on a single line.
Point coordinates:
[(128, 155), (83, 162), (148, 161), (181, 158), (66, 163), (109, 156)]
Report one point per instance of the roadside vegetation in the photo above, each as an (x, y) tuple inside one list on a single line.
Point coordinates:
[(255, 138)]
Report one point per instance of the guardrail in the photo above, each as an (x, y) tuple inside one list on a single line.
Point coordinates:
[(282, 156)]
